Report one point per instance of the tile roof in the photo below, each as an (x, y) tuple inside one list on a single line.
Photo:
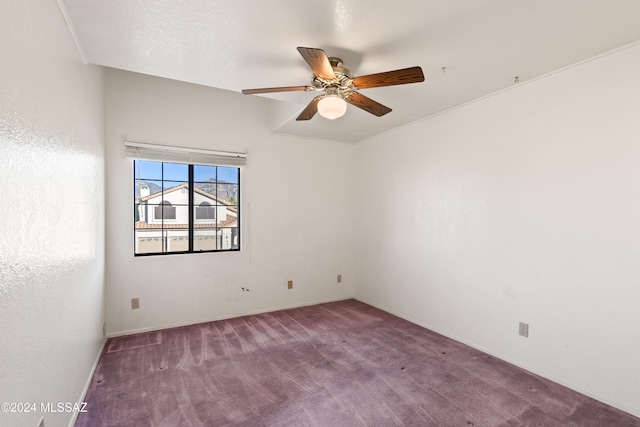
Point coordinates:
[(142, 225)]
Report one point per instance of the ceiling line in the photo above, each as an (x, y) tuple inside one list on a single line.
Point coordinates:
[(72, 30)]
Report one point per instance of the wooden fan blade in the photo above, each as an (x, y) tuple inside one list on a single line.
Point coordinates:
[(367, 104), (310, 110), (390, 78), (318, 61), (276, 89)]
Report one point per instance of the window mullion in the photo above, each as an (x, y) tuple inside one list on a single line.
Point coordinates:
[(191, 208), (163, 232)]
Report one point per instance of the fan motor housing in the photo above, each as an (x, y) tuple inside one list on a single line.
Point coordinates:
[(336, 64), (342, 80)]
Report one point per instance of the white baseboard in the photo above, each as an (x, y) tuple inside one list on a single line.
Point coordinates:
[(633, 411), (83, 395), (231, 316)]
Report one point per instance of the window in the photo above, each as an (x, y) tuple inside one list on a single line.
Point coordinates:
[(205, 211), (165, 211), (185, 208)]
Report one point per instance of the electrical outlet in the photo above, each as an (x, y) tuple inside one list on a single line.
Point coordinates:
[(135, 303), (290, 284), (524, 329), (339, 278)]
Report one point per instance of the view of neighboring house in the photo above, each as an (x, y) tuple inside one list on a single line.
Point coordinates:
[(162, 221)]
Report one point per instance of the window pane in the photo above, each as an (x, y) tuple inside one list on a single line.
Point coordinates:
[(228, 193), (228, 174), (208, 188), (145, 212), (204, 173), (175, 172), (226, 216), (223, 193), (146, 244), (229, 238), (147, 170), (145, 188), (177, 240), (205, 239), (148, 239), (205, 211), (160, 240), (164, 211)]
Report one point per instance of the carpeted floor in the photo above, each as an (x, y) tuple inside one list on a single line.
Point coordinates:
[(336, 364)]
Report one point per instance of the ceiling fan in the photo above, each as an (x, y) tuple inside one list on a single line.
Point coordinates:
[(339, 85)]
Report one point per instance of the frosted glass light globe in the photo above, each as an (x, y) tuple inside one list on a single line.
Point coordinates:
[(332, 107)]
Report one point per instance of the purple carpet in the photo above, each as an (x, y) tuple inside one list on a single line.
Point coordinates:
[(336, 364)]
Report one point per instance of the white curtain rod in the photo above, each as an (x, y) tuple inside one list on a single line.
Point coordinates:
[(183, 149)]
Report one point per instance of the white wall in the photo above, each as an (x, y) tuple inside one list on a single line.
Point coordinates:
[(296, 201), (524, 206), (52, 212)]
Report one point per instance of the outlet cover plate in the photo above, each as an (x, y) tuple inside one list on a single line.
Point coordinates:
[(524, 329)]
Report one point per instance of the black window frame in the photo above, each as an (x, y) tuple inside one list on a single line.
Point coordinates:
[(235, 231)]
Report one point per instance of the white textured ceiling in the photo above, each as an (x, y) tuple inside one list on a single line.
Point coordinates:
[(242, 44)]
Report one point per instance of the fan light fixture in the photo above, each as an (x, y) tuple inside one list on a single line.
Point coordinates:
[(332, 106), (340, 87)]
